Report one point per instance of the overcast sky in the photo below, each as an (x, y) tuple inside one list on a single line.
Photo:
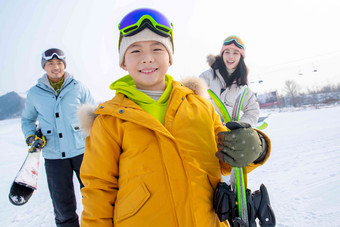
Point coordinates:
[(282, 38)]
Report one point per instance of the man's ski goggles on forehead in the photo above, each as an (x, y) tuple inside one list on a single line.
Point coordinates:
[(137, 20), (51, 53), (234, 40)]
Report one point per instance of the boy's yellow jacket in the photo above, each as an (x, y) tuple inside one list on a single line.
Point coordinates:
[(138, 172)]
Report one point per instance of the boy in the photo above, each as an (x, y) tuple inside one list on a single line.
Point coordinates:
[(150, 156)]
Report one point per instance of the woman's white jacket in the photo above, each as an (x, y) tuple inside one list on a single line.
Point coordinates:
[(250, 106)]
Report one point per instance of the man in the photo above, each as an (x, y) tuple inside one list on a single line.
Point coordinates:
[(53, 102)]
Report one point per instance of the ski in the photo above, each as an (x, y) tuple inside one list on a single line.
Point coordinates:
[(263, 118), (238, 175), (220, 106), (262, 126), (261, 123), (249, 205), (26, 179)]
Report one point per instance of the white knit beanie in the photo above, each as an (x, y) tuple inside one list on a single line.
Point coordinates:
[(144, 35)]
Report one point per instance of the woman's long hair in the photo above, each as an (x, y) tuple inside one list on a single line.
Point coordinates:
[(240, 75)]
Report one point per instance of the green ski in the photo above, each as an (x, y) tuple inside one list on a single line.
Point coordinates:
[(220, 106), (238, 176)]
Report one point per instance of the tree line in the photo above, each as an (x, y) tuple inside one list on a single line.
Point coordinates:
[(292, 95)]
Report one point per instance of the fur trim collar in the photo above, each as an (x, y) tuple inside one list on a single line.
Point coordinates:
[(86, 115), (211, 59), (197, 85)]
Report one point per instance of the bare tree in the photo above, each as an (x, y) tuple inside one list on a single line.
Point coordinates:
[(292, 90)]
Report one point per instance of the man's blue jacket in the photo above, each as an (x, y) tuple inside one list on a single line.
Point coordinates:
[(57, 116)]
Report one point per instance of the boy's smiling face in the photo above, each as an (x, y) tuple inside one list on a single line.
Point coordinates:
[(147, 62)]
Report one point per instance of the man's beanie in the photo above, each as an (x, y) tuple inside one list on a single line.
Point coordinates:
[(51, 54), (233, 42), (144, 35)]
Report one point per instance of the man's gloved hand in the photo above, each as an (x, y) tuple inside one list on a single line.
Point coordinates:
[(241, 145), (30, 139), (36, 141)]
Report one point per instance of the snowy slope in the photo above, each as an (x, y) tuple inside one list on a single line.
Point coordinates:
[(302, 174), (38, 212)]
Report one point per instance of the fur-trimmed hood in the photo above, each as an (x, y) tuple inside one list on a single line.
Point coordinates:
[(87, 116), (211, 59)]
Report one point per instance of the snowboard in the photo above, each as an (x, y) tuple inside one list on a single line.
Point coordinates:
[(263, 118), (26, 179), (262, 124)]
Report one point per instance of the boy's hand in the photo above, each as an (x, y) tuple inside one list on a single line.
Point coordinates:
[(241, 145)]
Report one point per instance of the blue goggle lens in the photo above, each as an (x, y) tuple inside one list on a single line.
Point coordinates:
[(235, 40), (132, 21)]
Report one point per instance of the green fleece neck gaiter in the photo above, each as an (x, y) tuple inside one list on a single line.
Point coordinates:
[(157, 109)]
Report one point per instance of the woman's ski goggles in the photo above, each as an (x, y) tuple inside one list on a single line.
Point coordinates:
[(139, 19), (51, 53), (235, 40)]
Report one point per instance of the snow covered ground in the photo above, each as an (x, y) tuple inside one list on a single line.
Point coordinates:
[(302, 174)]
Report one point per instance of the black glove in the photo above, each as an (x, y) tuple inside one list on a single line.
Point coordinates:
[(35, 142), (29, 140), (241, 145)]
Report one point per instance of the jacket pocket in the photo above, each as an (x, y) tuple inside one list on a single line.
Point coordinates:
[(79, 140), (131, 202)]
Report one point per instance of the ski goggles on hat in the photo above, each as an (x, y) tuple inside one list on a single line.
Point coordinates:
[(139, 19), (51, 53), (235, 40)]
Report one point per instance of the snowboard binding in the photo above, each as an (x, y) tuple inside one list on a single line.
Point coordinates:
[(258, 205), (224, 202)]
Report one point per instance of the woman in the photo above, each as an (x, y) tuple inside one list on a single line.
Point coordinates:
[(227, 75)]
